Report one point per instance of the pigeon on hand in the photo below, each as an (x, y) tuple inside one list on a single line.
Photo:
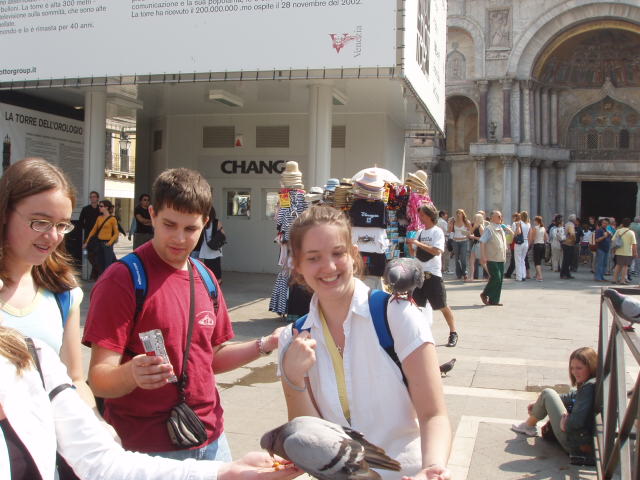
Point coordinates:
[(403, 275), (327, 451), (447, 367), (625, 306)]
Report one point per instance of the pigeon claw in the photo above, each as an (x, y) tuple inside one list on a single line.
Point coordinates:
[(628, 328)]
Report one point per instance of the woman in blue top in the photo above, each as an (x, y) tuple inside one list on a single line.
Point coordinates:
[(36, 201)]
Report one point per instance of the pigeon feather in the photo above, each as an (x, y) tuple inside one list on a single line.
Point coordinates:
[(626, 306), (326, 450), (403, 275)]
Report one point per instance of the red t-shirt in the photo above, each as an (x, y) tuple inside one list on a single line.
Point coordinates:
[(139, 417)]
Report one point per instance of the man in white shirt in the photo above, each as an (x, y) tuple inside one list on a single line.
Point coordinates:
[(428, 246), (443, 224)]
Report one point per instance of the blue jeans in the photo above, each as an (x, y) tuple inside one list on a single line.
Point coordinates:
[(460, 251), (601, 263), (216, 450)]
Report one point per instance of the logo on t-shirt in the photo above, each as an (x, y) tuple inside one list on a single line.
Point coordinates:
[(206, 319), (369, 217)]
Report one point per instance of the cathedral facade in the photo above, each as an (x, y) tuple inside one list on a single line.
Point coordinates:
[(543, 109)]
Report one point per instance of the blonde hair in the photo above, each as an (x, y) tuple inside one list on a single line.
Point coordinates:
[(465, 220), (478, 219), (14, 348), (588, 357), (525, 216), (312, 217)]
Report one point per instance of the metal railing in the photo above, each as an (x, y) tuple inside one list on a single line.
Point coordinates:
[(118, 164), (617, 410)]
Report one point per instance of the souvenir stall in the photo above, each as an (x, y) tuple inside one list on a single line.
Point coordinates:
[(291, 203)]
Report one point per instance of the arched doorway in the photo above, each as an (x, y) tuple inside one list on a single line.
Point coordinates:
[(461, 124)]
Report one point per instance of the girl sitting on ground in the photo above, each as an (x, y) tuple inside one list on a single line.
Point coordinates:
[(571, 414)]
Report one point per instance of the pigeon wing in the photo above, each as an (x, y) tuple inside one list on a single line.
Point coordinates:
[(375, 456), (328, 456)]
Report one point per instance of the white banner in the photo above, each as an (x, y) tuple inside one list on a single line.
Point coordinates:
[(52, 39), (425, 53), (28, 133)]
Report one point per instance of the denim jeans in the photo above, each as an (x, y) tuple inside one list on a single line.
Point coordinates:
[(601, 263), (461, 251), (567, 258), (216, 450)]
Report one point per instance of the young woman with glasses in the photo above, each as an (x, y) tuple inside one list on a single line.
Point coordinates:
[(36, 201), (106, 231)]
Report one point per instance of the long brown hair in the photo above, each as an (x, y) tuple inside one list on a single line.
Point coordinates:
[(14, 348), (314, 216), (588, 357), (23, 179)]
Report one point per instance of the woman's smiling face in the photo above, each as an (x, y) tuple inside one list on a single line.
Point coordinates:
[(326, 261)]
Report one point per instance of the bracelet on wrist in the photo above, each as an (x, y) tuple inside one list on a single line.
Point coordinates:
[(261, 348)]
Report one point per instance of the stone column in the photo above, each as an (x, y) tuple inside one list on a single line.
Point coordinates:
[(535, 209), (516, 115), (525, 184), (562, 188), (536, 115), (507, 165), (571, 196), (545, 190), (544, 101), (526, 111), (507, 84), (515, 185), (554, 117), (320, 123), (480, 183), (483, 86)]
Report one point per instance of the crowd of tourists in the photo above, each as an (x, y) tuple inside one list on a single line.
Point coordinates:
[(160, 415), (602, 245)]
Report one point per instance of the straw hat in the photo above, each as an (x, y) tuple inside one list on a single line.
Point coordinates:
[(416, 181), (422, 175), (314, 195), (291, 177), (370, 181)]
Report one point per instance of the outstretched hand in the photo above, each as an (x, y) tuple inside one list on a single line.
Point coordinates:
[(258, 466), (299, 357), (434, 472), (150, 372)]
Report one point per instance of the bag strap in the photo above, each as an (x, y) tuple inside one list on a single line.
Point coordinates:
[(182, 383), (36, 360), (63, 299), (206, 277), (138, 278), (103, 223), (378, 300)]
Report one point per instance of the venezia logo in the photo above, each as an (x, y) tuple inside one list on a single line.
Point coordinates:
[(339, 40)]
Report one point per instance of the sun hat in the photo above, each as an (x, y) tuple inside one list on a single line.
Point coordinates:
[(291, 177), (370, 181), (314, 195), (331, 185)]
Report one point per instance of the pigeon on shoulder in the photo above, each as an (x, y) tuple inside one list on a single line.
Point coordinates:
[(403, 275), (327, 451), (626, 306)]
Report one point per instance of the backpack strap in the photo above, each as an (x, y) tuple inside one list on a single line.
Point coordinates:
[(378, 300), (36, 360), (205, 274), (138, 278), (63, 299), (299, 323)]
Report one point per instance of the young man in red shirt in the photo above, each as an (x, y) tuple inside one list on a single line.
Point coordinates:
[(137, 391)]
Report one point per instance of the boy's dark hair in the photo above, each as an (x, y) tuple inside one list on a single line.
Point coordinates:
[(442, 213), (144, 195), (183, 190)]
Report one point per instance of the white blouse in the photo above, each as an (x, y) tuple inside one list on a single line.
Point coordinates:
[(378, 399)]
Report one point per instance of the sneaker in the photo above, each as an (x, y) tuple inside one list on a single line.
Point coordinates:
[(526, 429), (453, 339), (582, 460)]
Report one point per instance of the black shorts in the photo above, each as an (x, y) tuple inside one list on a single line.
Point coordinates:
[(538, 253), (432, 291)]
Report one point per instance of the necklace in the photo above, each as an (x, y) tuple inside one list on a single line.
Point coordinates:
[(340, 349)]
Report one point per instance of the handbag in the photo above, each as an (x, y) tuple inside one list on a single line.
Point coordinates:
[(95, 245), (593, 246), (423, 255), (217, 240), (519, 238), (185, 428), (617, 240)]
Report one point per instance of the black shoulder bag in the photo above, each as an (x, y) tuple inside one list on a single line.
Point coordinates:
[(186, 430), (422, 254), (217, 240), (95, 244)]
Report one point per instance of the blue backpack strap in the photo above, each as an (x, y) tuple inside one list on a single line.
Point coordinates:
[(205, 274), (138, 278), (63, 299), (299, 323), (378, 300)]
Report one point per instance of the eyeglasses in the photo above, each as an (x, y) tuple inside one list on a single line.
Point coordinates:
[(43, 226)]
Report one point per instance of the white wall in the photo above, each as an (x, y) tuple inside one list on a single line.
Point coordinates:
[(370, 139)]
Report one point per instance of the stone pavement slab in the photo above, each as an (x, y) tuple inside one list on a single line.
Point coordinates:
[(505, 357)]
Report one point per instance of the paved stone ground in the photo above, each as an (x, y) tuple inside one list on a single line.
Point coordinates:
[(505, 355)]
